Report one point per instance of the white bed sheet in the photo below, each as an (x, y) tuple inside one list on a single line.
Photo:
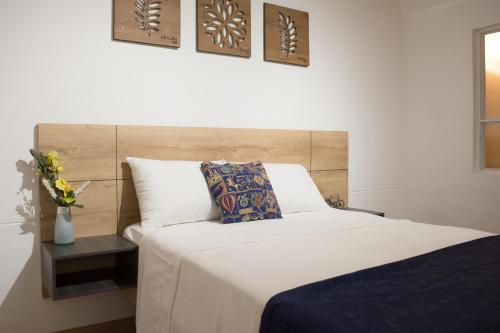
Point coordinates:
[(133, 233), (209, 277)]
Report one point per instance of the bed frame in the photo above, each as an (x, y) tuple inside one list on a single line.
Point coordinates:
[(98, 153)]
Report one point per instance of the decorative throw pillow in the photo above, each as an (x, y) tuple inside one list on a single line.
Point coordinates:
[(242, 192)]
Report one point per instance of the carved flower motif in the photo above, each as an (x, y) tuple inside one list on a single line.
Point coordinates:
[(225, 23)]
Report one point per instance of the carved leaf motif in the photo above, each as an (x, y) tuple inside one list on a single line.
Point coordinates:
[(225, 23), (148, 15), (288, 35)]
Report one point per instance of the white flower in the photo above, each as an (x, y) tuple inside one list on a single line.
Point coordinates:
[(81, 188), (49, 188)]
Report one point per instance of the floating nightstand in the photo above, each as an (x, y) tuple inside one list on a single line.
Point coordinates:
[(364, 211), (91, 265)]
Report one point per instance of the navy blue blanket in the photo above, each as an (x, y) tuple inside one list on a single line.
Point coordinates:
[(456, 289)]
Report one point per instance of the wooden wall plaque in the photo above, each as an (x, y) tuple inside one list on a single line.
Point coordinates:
[(224, 27), (155, 22), (286, 35)]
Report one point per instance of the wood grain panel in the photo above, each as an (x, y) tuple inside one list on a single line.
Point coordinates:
[(329, 150), (128, 206), (98, 217), (100, 153), (87, 151), (199, 144), (332, 182)]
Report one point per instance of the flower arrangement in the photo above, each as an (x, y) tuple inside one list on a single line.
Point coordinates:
[(48, 168)]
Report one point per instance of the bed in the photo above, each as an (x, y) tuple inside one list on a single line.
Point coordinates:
[(210, 277), (303, 273)]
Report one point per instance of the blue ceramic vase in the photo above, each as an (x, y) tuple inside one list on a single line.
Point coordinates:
[(64, 232)]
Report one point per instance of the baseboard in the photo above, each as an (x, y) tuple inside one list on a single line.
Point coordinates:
[(126, 325)]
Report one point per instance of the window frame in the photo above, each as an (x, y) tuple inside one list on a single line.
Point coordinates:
[(480, 120)]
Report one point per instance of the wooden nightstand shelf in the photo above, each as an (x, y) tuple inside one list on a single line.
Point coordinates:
[(90, 265), (365, 211)]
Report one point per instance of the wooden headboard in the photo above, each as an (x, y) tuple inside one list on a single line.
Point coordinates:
[(98, 153)]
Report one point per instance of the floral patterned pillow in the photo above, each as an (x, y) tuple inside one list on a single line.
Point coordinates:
[(242, 192)]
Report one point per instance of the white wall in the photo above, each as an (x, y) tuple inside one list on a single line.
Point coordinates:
[(440, 184), (411, 7), (58, 64)]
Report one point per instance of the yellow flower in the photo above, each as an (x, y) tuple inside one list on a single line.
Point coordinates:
[(55, 166), (53, 162), (52, 155), (64, 186)]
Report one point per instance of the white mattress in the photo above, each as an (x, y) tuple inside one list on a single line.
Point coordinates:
[(208, 277)]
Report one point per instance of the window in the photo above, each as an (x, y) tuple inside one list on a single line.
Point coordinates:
[(487, 97)]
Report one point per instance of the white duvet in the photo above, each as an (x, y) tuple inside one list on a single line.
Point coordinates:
[(208, 277)]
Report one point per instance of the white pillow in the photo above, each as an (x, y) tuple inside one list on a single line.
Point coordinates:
[(171, 192), (294, 188)]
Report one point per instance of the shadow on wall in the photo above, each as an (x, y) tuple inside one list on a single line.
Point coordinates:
[(23, 310), (16, 314), (27, 210)]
